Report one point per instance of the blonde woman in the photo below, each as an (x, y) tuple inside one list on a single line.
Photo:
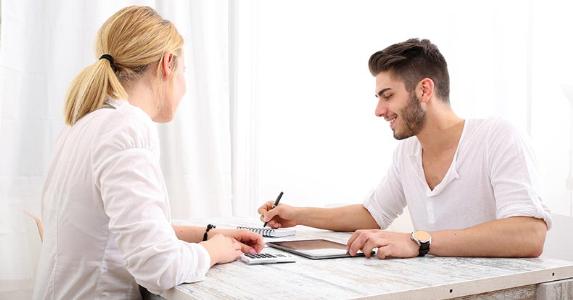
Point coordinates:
[(104, 203)]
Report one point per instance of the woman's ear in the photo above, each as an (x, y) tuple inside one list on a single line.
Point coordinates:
[(167, 66)]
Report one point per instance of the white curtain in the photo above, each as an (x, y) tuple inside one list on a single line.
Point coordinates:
[(317, 136), (279, 97), (44, 44)]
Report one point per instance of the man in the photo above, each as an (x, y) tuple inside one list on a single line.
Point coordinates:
[(468, 184)]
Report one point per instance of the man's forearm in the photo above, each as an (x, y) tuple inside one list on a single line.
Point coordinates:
[(344, 218), (510, 237)]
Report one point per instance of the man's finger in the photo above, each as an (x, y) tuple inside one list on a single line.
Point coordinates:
[(358, 243), (352, 238), (271, 214), (265, 207), (384, 252), (368, 247), (371, 247), (274, 224)]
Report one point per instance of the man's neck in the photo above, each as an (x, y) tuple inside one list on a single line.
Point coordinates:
[(441, 132)]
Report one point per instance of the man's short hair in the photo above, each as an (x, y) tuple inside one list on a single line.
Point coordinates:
[(412, 61)]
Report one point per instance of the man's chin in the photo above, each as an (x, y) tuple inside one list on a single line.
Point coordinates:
[(401, 135)]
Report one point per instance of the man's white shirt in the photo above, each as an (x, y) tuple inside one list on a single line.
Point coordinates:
[(492, 176), (106, 213)]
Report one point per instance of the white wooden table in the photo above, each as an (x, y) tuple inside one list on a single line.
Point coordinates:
[(416, 278)]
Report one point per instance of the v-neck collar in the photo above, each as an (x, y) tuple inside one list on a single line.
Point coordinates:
[(451, 174)]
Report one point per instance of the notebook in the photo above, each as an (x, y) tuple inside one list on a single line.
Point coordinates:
[(269, 232)]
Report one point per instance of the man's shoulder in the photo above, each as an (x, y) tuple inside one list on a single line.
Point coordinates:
[(491, 128), (496, 137)]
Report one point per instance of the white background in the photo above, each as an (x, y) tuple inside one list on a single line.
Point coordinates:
[(280, 98), (317, 136)]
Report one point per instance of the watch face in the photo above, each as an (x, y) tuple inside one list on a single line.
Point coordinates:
[(421, 236)]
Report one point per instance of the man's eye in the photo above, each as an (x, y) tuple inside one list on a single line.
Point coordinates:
[(386, 97)]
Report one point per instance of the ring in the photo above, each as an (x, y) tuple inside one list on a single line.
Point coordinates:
[(374, 252)]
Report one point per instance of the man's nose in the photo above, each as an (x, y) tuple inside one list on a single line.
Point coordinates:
[(381, 109)]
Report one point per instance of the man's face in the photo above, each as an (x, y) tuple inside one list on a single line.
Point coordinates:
[(399, 107)]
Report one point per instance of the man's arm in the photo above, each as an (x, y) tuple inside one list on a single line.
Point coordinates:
[(510, 237), (344, 218)]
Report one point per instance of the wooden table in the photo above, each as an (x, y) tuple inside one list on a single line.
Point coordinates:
[(415, 278)]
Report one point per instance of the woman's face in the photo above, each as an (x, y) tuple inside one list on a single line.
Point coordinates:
[(174, 89)]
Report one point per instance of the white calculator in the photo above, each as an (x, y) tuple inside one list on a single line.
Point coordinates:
[(266, 258)]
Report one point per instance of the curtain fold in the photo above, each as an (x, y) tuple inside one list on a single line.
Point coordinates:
[(196, 146), (44, 44)]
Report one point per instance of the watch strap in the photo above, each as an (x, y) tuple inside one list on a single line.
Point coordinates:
[(424, 249)]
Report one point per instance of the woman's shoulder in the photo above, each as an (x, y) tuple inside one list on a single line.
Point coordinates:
[(126, 126)]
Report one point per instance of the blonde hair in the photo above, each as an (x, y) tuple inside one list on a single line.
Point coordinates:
[(135, 37)]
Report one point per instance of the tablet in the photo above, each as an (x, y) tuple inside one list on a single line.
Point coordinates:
[(314, 249)]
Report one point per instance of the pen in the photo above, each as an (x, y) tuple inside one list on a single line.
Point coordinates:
[(275, 204)]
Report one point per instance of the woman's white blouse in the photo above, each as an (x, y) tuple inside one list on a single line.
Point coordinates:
[(106, 213)]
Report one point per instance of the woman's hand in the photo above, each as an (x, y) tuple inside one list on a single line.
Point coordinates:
[(222, 249), (250, 242)]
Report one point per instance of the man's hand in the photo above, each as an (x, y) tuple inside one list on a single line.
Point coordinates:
[(389, 244), (281, 216), (250, 242)]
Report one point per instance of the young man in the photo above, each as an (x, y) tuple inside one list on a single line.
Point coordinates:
[(468, 184)]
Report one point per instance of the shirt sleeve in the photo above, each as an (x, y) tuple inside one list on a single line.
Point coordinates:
[(387, 201), (133, 194), (514, 175)]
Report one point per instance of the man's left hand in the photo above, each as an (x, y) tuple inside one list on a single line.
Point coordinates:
[(389, 244)]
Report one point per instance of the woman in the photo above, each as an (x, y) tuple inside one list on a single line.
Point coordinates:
[(104, 203)]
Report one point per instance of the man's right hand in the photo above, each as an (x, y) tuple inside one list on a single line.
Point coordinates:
[(279, 217)]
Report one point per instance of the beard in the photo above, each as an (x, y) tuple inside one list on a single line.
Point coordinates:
[(414, 118)]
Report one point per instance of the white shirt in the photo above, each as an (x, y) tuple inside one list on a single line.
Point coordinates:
[(492, 176), (106, 213)]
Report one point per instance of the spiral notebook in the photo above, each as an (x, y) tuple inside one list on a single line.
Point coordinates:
[(269, 232)]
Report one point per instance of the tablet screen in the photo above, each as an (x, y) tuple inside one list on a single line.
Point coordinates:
[(314, 249)]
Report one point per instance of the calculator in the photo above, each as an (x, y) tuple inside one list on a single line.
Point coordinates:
[(266, 258)]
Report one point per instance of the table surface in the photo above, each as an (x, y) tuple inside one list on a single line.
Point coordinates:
[(414, 278)]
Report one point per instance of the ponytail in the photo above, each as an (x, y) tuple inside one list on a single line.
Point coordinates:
[(128, 42), (90, 89)]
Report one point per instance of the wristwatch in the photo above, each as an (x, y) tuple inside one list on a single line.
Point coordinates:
[(423, 239)]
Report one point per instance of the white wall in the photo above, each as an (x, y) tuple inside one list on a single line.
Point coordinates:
[(317, 137)]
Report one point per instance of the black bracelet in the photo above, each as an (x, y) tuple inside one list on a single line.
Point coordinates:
[(209, 227)]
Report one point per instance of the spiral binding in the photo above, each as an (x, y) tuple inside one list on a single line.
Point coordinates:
[(266, 232)]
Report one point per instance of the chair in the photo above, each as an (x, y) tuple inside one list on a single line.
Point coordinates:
[(558, 242), (39, 224)]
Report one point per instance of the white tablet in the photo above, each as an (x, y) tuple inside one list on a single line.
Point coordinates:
[(314, 249)]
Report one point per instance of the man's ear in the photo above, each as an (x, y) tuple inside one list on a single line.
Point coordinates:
[(425, 90), (167, 65)]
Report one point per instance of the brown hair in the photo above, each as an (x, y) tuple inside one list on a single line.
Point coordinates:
[(134, 37), (412, 61)]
